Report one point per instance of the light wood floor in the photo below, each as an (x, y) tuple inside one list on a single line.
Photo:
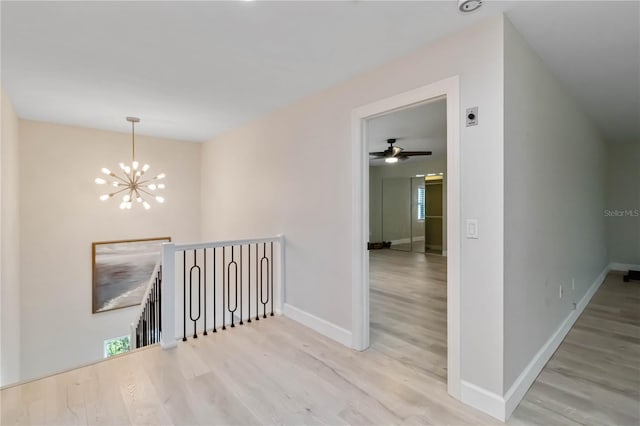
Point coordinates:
[(594, 376), (279, 372)]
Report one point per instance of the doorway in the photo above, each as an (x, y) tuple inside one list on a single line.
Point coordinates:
[(407, 277), (449, 90)]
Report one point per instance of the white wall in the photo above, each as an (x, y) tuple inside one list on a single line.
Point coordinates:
[(9, 248), (554, 200), (623, 203), (61, 216), (290, 172)]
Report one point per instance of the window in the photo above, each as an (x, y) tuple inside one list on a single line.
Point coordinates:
[(420, 203), (115, 346)]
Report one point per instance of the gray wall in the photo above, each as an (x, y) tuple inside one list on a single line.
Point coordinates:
[(623, 203), (554, 199), (396, 208)]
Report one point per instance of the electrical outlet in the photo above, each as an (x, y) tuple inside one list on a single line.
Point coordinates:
[(560, 294)]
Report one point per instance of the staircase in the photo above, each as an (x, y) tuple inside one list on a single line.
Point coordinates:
[(209, 287)]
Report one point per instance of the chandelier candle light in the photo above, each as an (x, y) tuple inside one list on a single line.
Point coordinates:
[(132, 183)]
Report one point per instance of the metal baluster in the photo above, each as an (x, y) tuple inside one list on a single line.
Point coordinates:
[(205, 292), (257, 306), (214, 290), (223, 285), (184, 296), (235, 306), (160, 302), (144, 329), (271, 269), (262, 262), (240, 287), (197, 268), (151, 315), (157, 307), (249, 282)]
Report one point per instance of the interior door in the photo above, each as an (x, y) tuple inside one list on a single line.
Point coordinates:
[(433, 217)]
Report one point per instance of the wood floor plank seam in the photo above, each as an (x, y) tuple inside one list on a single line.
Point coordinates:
[(279, 372)]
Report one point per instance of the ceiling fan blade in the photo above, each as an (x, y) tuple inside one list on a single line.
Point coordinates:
[(378, 154), (413, 153)]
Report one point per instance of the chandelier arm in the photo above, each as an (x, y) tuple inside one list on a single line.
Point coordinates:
[(138, 194), (138, 177), (118, 177), (117, 192), (147, 181), (146, 192)]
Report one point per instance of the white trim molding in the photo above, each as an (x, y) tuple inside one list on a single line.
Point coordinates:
[(483, 400), (406, 240), (320, 325), (623, 267), (450, 90), (517, 391)]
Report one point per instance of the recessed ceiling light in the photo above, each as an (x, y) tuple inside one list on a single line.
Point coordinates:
[(419, 175), (431, 174), (469, 5)]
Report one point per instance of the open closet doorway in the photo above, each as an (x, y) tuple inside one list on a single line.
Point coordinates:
[(408, 274), (406, 288)]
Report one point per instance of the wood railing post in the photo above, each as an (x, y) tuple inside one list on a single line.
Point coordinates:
[(132, 337), (168, 337)]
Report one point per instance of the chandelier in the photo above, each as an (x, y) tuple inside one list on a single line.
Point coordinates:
[(131, 182)]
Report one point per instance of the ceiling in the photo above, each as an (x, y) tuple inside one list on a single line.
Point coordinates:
[(418, 128), (192, 70)]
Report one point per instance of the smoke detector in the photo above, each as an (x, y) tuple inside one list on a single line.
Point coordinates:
[(469, 5)]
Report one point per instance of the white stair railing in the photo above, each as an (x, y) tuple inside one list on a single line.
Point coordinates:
[(207, 287)]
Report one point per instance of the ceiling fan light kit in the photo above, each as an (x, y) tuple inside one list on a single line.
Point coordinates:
[(132, 183), (393, 154)]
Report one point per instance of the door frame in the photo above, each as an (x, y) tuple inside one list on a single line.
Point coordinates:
[(448, 88)]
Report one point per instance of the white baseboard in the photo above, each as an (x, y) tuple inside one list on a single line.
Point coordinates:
[(516, 392), (483, 400), (320, 325), (614, 266), (406, 240), (502, 407)]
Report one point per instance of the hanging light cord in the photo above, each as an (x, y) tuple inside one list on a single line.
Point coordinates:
[(133, 140)]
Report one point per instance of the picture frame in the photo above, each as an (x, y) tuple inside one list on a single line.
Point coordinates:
[(121, 271)]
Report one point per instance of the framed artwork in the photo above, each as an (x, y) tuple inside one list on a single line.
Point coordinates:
[(122, 270)]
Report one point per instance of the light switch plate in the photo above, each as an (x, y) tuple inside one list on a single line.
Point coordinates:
[(472, 229), (472, 116)]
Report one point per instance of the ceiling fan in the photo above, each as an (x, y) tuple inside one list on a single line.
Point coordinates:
[(395, 153)]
